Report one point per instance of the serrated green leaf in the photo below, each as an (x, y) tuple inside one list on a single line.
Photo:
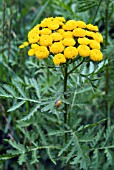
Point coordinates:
[(35, 85), (19, 104), (9, 89), (31, 113), (19, 88), (65, 147), (22, 158)]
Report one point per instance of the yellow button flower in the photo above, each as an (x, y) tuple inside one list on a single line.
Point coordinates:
[(68, 42), (67, 34), (83, 41), (98, 37), (53, 25), (33, 36), (94, 44), (70, 52), (34, 46), (81, 24), (60, 31), (56, 36), (83, 50), (21, 46), (45, 40), (56, 47), (70, 25), (89, 33), (92, 27), (79, 32), (45, 31), (26, 43), (41, 52), (31, 52), (59, 59), (46, 21), (96, 55), (62, 19)]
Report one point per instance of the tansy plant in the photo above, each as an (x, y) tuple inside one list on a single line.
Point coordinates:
[(64, 43)]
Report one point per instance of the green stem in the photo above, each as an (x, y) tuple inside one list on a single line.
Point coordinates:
[(97, 11), (65, 97), (76, 66), (66, 117)]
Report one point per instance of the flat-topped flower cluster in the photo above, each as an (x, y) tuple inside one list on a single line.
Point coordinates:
[(64, 40)]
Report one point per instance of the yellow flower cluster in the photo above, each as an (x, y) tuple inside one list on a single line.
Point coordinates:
[(64, 40)]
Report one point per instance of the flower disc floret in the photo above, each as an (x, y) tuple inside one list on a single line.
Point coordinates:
[(94, 44), (92, 27), (79, 32), (83, 50), (96, 55), (56, 47), (59, 59), (70, 52), (83, 41), (56, 36), (45, 40), (68, 42), (41, 52)]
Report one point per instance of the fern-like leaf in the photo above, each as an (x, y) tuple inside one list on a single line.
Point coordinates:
[(19, 104)]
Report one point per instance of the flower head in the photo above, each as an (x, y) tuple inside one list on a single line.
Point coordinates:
[(70, 52), (68, 42), (81, 24), (96, 55), (56, 36), (45, 31), (56, 47), (83, 41), (41, 52), (79, 32), (45, 40), (67, 34), (70, 25), (31, 52), (92, 27), (83, 50), (59, 59), (94, 44)]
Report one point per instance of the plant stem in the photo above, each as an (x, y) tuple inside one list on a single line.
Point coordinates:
[(66, 117), (96, 11), (76, 67), (65, 97)]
